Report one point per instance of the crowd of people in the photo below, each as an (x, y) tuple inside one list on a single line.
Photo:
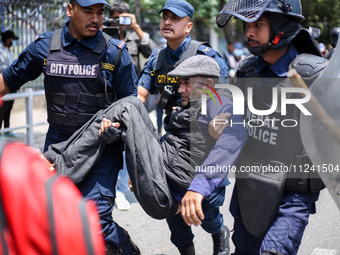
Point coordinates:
[(96, 89)]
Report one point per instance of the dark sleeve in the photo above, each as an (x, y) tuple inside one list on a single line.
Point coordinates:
[(125, 78), (146, 80), (225, 152)]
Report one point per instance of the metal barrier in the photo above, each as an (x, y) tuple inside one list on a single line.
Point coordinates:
[(28, 94), (28, 19)]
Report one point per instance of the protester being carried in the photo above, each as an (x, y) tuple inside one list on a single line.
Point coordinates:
[(165, 174)]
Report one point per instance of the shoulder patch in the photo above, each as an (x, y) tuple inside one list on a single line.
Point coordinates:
[(118, 43), (208, 51), (108, 66), (155, 52)]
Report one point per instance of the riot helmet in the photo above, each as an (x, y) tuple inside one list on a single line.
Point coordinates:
[(285, 18), (334, 36)]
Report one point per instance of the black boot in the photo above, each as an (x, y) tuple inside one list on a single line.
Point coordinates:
[(221, 242), (188, 249), (111, 250)]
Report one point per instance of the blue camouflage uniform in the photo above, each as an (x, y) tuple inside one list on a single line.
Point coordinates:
[(99, 185)]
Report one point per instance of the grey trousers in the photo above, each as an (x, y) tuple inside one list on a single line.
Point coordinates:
[(76, 156)]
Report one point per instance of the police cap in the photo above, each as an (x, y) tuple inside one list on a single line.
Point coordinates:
[(180, 8), (87, 3)]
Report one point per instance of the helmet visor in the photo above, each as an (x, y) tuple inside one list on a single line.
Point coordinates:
[(246, 10)]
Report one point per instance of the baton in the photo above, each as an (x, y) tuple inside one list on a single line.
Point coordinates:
[(315, 106)]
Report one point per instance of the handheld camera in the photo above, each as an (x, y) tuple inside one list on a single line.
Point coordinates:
[(112, 26), (117, 22)]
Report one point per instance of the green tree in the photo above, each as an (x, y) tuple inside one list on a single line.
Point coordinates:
[(323, 14), (148, 17)]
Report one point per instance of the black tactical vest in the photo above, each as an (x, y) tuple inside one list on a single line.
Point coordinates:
[(271, 143), (275, 139), (74, 85), (162, 68)]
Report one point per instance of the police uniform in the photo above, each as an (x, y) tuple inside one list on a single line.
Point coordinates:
[(271, 208), (280, 223), (75, 76)]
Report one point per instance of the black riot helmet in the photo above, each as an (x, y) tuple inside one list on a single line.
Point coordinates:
[(284, 16), (335, 36), (251, 10)]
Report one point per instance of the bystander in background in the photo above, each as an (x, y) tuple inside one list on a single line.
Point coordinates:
[(8, 38)]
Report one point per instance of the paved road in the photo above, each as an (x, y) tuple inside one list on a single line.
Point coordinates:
[(153, 237)]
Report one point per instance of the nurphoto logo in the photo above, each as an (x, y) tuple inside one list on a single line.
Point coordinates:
[(239, 99)]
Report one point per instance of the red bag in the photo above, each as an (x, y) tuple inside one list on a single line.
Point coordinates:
[(41, 212)]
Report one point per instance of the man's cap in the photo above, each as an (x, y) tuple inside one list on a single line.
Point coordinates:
[(180, 8), (199, 65), (8, 34), (87, 3)]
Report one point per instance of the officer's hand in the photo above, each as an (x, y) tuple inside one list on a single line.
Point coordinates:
[(218, 124), (109, 132), (106, 123), (191, 209)]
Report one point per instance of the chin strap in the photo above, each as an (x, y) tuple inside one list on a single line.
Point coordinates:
[(261, 50), (258, 50)]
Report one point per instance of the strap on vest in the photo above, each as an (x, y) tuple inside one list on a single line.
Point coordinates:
[(104, 39), (161, 54), (56, 40), (98, 100), (68, 119), (116, 66), (189, 52)]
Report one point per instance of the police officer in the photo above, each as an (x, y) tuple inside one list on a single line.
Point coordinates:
[(271, 210), (175, 26), (83, 74), (334, 40)]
